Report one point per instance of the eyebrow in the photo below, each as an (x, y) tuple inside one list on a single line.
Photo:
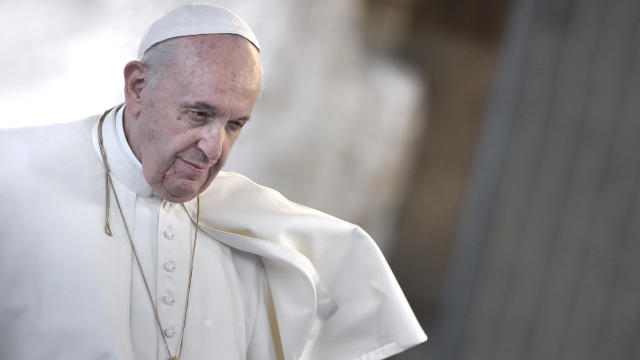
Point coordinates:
[(214, 110)]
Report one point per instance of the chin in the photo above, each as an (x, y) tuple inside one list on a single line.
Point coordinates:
[(182, 190), (176, 194)]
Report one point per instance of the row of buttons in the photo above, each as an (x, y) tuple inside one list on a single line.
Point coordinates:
[(169, 267)]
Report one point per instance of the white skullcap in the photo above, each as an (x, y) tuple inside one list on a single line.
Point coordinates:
[(196, 19)]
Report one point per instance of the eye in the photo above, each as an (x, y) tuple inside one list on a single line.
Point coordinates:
[(236, 125), (199, 115)]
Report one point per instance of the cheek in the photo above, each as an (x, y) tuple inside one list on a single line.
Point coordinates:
[(229, 143), (159, 161), (151, 135), (226, 149)]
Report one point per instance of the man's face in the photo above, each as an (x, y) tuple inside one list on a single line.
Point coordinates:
[(185, 124)]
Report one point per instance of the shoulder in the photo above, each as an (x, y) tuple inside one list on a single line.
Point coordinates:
[(233, 184), (33, 156), (26, 133), (29, 141), (237, 201), (238, 191), (238, 205)]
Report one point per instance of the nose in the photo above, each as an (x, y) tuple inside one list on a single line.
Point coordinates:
[(211, 141)]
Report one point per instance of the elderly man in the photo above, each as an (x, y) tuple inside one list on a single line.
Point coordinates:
[(117, 243)]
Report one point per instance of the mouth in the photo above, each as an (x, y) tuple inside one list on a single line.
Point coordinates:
[(197, 168)]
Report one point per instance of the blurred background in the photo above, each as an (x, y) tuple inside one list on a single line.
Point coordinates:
[(487, 146)]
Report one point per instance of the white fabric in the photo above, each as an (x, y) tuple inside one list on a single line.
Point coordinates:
[(163, 233), (122, 137), (71, 291), (196, 19)]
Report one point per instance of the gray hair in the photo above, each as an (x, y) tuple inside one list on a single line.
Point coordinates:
[(158, 57)]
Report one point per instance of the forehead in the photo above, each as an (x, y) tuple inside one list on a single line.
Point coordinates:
[(225, 51), (209, 60)]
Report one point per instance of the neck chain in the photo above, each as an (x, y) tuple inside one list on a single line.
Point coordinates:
[(107, 229)]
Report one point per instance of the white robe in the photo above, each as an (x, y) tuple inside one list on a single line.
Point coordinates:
[(71, 292)]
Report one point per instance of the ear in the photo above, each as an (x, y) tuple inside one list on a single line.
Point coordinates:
[(135, 79)]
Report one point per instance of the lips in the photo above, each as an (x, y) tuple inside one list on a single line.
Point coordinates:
[(195, 167)]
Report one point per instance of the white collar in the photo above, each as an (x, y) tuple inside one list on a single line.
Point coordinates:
[(123, 164), (123, 138)]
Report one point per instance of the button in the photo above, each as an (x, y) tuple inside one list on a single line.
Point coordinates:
[(169, 267), (167, 205), (170, 332), (169, 300), (168, 235)]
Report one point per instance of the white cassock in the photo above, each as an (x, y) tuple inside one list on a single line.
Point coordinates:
[(272, 279)]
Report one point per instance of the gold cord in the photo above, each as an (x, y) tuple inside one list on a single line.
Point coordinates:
[(193, 252), (107, 179)]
